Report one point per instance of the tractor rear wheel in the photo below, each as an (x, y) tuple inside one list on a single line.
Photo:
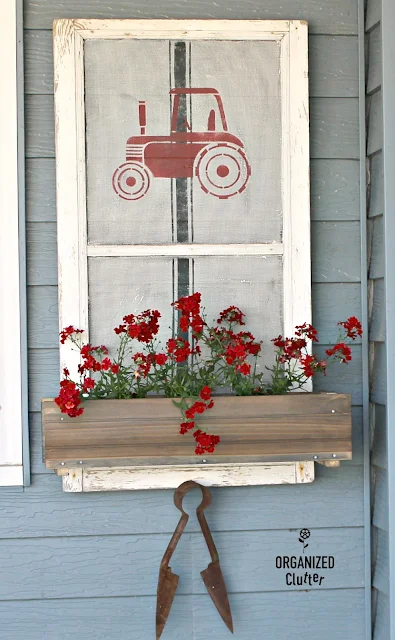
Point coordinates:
[(131, 180), (222, 169)]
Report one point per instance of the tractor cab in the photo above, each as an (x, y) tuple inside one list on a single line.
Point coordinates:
[(209, 116)]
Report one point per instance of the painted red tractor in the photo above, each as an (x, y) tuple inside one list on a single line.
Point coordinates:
[(215, 157)]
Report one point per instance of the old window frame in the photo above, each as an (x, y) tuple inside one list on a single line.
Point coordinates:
[(73, 248), (14, 458)]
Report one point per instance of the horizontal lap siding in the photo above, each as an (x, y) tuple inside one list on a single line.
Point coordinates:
[(376, 288), (96, 556)]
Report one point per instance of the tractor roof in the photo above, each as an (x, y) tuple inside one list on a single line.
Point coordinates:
[(188, 91)]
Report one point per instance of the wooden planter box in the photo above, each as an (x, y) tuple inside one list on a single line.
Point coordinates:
[(145, 432)]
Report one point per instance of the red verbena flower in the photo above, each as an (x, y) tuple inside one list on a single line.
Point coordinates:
[(309, 364), (232, 315), (160, 358), (67, 332), (190, 305), (341, 351), (353, 327), (88, 383), (186, 426), (308, 331), (69, 399), (244, 368), (205, 393), (206, 443)]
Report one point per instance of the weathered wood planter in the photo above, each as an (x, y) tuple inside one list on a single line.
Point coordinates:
[(145, 432)]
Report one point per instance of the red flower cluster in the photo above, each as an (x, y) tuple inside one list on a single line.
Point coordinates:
[(237, 347), (67, 332), (353, 327), (226, 363), (231, 315), (291, 348), (145, 362), (308, 331), (179, 349), (69, 399), (90, 362), (311, 365), (189, 306), (205, 443), (142, 327), (341, 351)]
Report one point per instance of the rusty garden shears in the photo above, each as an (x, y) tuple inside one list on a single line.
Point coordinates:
[(212, 576)]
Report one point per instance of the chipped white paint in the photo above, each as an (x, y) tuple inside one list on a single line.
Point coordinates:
[(185, 250), (73, 251), (221, 475), (72, 481), (11, 471)]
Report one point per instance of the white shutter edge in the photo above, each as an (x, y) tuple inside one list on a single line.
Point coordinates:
[(14, 435)]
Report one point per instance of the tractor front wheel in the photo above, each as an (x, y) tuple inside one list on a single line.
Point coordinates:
[(131, 181), (222, 169)]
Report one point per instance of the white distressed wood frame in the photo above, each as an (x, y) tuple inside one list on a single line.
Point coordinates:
[(73, 250), (11, 411)]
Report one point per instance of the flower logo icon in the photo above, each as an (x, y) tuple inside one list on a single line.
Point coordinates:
[(304, 535)]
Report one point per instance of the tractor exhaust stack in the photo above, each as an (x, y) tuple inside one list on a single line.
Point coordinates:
[(142, 117)]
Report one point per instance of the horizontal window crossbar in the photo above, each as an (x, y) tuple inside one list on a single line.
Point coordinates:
[(184, 250)]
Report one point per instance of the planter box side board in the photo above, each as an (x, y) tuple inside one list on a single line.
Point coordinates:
[(145, 432)]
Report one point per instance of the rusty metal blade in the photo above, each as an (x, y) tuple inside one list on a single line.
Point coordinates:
[(215, 585), (167, 587)]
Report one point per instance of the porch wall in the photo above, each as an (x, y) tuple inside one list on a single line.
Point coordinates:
[(87, 564), (378, 394)]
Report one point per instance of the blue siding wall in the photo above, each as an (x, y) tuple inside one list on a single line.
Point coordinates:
[(87, 564), (376, 286)]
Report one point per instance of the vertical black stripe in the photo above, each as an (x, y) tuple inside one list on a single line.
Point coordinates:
[(180, 80)]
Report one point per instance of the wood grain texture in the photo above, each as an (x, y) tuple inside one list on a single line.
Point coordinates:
[(373, 14), (334, 128), (375, 122), (376, 199), (381, 627), (334, 64), (334, 499), (334, 190), (380, 504), (268, 615), (333, 122), (44, 375), (376, 262), (378, 391), (145, 431), (377, 321), (122, 566), (380, 575), (336, 17), (327, 299), (40, 126), (342, 378), (336, 252), (38, 59), (379, 444), (374, 63), (41, 263), (40, 190), (43, 329), (212, 475)]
